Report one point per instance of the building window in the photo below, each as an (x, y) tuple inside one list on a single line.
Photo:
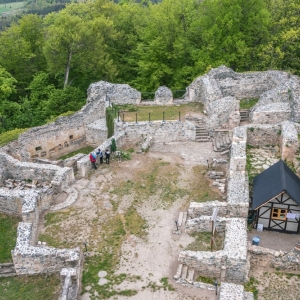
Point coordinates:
[(38, 148), (71, 137), (279, 214)]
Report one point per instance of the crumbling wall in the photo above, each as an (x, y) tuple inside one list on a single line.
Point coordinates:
[(231, 263), (163, 96), (29, 260), (289, 141), (167, 131), (259, 135), (113, 93)]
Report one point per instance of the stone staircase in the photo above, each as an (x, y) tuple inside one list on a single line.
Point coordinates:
[(201, 132), (7, 269), (184, 274), (244, 115), (222, 142)]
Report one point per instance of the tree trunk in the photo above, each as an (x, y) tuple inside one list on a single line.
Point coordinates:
[(67, 69)]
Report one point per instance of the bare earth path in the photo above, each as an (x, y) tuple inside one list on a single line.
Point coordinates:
[(154, 187)]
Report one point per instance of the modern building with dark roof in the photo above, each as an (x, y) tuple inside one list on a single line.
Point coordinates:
[(276, 199)]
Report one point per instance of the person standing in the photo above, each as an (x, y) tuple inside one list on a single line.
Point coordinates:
[(107, 155), (100, 154), (93, 160)]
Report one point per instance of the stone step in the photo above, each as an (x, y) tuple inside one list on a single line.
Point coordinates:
[(201, 134), (184, 272), (184, 218), (202, 140), (178, 273), (180, 218), (190, 277)]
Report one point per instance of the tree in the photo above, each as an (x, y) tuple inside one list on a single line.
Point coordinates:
[(113, 146), (7, 85)]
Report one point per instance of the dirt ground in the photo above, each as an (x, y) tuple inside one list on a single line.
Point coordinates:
[(275, 240), (102, 196), (141, 256)]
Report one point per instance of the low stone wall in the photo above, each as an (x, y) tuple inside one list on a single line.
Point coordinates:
[(84, 164), (60, 178), (167, 131), (230, 291), (29, 260), (231, 263), (70, 284), (265, 257), (204, 224), (225, 209)]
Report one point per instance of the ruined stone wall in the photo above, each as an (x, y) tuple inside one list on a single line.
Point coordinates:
[(204, 224), (29, 260), (239, 210), (60, 178), (113, 93), (84, 164), (96, 132), (10, 203), (271, 113), (167, 131), (231, 263), (289, 141), (265, 257), (63, 136), (163, 96), (263, 135)]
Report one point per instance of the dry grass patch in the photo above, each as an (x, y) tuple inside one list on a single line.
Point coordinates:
[(202, 242), (171, 112)]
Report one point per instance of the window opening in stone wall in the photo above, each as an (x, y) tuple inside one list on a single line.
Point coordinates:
[(71, 137), (279, 214), (38, 148)]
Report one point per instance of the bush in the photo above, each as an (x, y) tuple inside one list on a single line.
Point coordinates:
[(110, 122), (11, 135)]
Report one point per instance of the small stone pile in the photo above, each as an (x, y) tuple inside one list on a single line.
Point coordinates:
[(219, 181), (15, 184)]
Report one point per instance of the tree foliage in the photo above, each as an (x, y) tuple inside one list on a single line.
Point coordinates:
[(48, 62)]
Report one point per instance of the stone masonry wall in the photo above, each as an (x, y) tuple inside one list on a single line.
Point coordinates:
[(160, 131), (204, 224), (231, 263), (60, 178), (29, 260), (114, 93), (259, 135), (289, 141), (239, 210)]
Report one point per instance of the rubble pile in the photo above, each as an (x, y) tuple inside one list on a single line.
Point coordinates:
[(10, 184)]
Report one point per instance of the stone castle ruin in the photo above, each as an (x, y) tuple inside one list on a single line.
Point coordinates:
[(31, 161)]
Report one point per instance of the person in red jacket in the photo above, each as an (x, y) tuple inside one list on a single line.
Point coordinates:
[(93, 160)]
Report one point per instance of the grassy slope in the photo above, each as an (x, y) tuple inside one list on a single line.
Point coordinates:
[(8, 236), (11, 7)]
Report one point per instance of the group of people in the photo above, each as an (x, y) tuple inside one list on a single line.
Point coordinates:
[(99, 153)]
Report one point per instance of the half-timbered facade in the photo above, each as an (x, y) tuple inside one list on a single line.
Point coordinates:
[(276, 199)]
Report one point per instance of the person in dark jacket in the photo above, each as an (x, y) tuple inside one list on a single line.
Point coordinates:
[(100, 154), (107, 155), (93, 160)]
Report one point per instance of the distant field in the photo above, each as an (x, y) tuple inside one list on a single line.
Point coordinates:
[(10, 7)]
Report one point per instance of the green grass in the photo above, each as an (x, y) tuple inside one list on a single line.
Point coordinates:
[(134, 223), (85, 150), (46, 287), (251, 286), (248, 103), (9, 7), (8, 236), (205, 279), (11, 135), (156, 112), (202, 242), (107, 260)]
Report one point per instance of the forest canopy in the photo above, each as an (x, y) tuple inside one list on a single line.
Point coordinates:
[(47, 63)]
